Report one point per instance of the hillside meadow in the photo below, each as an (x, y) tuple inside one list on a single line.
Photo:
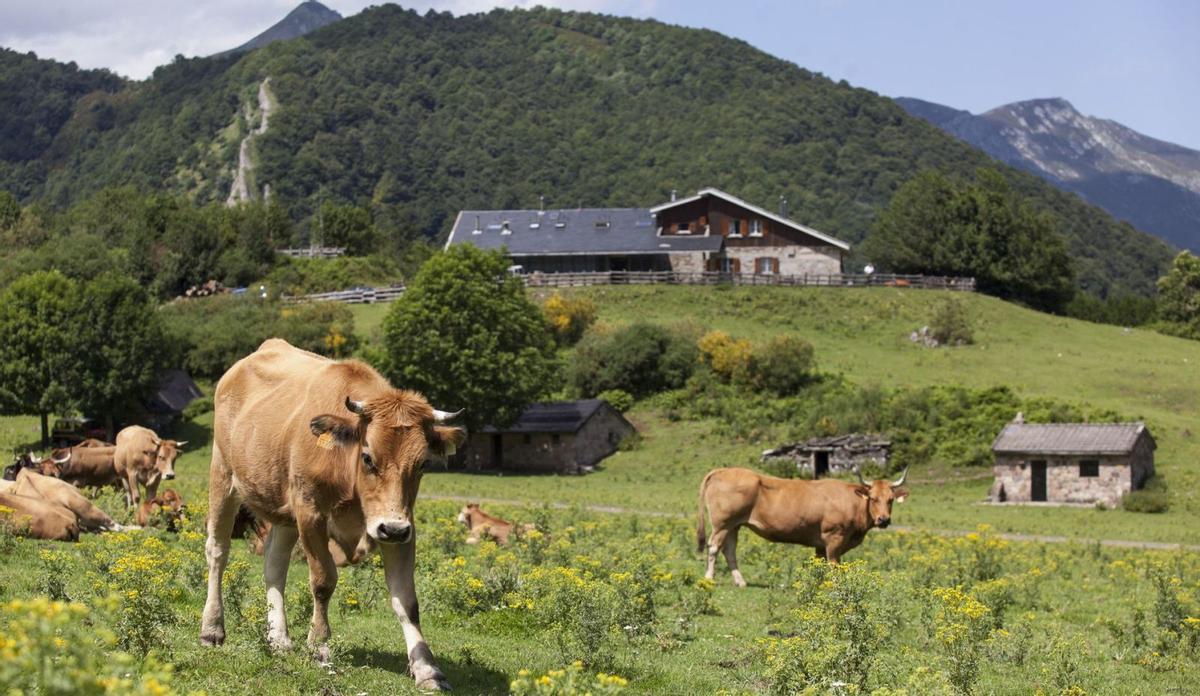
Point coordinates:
[(612, 578)]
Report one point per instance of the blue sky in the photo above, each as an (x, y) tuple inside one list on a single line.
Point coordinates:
[(1136, 62)]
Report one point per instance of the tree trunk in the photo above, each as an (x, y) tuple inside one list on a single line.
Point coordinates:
[(109, 428), (45, 429)]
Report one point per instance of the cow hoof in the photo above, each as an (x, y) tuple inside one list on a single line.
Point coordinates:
[(434, 683), (323, 657), (279, 643), (212, 638)]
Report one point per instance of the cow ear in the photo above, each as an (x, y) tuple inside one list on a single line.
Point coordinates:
[(446, 440), (864, 491), (332, 430), (899, 495)]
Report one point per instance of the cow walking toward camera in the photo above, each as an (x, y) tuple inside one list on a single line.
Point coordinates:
[(831, 516), (142, 458), (323, 450)]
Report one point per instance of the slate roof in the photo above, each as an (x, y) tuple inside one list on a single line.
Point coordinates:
[(1069, 438), (553, 417), (710, 191), (585, 231), (175, 391)]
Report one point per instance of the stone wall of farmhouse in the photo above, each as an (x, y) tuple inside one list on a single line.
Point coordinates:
[(541, 452), (599, 437), (1014, 479), (793, 260), (687, 262)]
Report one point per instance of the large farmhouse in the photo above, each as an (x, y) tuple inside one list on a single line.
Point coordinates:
[(710, 231), (1071, 462)]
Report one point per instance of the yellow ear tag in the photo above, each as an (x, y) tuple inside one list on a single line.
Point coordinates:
[(449, 448), (325, 440)]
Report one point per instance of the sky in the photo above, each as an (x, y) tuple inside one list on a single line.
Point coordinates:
[(1136, 62)]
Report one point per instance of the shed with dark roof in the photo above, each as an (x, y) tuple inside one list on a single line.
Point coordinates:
[(1071, 462), (564, 437)]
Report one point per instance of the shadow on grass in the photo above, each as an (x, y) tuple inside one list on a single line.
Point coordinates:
[(464, 675), (197, 435)]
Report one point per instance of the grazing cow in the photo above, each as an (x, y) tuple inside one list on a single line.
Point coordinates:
[(83, 466), (37, 518), (31, 484), (169, 504), (320, 449), (829, 515), (142, 457), (480, 525)]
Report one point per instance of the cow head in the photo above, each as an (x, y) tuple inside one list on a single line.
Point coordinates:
[(880, 494), (390, 438), (165, 454), (55, 464), (469, 510)]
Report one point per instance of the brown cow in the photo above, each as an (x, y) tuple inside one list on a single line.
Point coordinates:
[(256, 532), (37, 518), (142, 457), (169, 504), (830, 516), (93, 442), (83, 466), (480, 525), (31, 484), (320, 449)]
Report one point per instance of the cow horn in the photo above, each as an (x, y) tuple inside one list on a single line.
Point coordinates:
[(180, 443), (903, 476), (858, 473), (443, 416), (355, 406), (64, 460), (157, 442)]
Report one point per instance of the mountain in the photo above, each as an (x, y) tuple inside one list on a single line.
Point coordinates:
[(418, 116), (307, 17), (1153, 184)]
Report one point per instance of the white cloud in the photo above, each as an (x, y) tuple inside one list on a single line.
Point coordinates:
[(132, 37)]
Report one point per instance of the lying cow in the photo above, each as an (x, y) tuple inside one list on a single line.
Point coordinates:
[(320, 449), (37, 518), (481, 525), (143, 458), (168, 506), (829, 515), (31, 484)]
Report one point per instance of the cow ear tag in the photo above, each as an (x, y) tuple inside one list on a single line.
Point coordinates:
[(449, 448), (325, 440)]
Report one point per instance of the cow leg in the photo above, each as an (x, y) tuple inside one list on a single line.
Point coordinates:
[(131, 488), (398, 562), (730, 549), (222, 508), (715, 542), (835, 546), (278, 555), (819, 552), (322, 578)]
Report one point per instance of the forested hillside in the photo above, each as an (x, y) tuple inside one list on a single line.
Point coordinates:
[(417, 116)]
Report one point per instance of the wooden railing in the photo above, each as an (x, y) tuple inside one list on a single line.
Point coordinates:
[(574, 280), (313, 252)]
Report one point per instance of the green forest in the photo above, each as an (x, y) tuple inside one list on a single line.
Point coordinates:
[(413, 117)]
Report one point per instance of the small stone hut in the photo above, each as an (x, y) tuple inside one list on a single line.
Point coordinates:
[(838, 453), (564, 437), (1071, 462)]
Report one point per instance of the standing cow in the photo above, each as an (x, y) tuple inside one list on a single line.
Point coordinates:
[(84, 466), (320, 449), (142, 457), (830, 516)]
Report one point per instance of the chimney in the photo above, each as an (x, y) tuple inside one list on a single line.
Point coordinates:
[(541, 204), (476, 222), (672, 195), (783, 210)]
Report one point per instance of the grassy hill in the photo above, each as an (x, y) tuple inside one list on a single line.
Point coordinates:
[(419, 116)]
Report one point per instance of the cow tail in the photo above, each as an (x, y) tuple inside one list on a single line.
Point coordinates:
[(701, 535)]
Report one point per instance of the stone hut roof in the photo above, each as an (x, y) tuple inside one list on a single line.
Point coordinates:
[(553, 417), (853, 441), (1070, 438)]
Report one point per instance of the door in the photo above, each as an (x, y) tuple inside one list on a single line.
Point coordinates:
[(820, 464), (1037, 487), (498, 451)]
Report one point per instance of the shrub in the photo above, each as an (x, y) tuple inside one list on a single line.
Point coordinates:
[(962, 626), (725, 355), (1153, 498), (617, 398), (569, 681), (949, 325), (568, 318), (640, 359), (783, 365), (302, 276)]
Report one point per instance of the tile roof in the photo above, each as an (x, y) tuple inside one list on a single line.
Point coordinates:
[(710, 191), (568, 232), (553, 417), (1069, 438)]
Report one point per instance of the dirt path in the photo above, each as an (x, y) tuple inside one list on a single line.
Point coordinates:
[(1040, 538)]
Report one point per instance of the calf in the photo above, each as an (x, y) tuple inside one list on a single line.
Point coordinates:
[(480, 524), (169, 505), (830, 516), (37, 518)]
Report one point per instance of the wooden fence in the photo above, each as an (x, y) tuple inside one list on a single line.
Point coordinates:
[(573, 280), (313, 252)]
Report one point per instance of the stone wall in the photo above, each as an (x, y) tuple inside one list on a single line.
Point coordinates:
[(599, 437), (563, 453), (687, 262), (1014, 480), (793, 260)]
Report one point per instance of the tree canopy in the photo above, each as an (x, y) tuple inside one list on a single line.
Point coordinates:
[(465, 335), (1179, 295), (939, 226)]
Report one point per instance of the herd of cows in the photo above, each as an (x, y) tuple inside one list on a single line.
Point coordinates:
[(328, 454)]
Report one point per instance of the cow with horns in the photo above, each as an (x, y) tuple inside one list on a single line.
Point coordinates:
[(323, 450), (831, 516)]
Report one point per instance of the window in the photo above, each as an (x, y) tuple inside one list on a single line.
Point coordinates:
[(766, 264), (682, 228), (555, 438), (506, 228), (527, 439), (534, 225), (1089, 468), (756, 228), (602, 223), (735, 228), (727, 265)]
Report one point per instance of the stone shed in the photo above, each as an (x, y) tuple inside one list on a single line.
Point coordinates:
[(1071, 462), (837, 453), (564, 437)]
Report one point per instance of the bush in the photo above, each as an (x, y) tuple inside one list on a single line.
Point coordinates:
[(617, 398), (949, 325), (1153, 498), (640, 359), (784, 365), (570, 681), (302, 276), (568, 318), (726, 356)]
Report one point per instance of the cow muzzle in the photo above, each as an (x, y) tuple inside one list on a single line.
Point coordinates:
[(883, 522), (394, 532), (169, 475)]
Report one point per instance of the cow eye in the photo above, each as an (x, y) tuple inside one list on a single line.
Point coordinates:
[(368, 461)]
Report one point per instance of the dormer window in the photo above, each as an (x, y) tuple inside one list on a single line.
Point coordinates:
[(756, 228), (600, 224), (682, 228), (505, 228)]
